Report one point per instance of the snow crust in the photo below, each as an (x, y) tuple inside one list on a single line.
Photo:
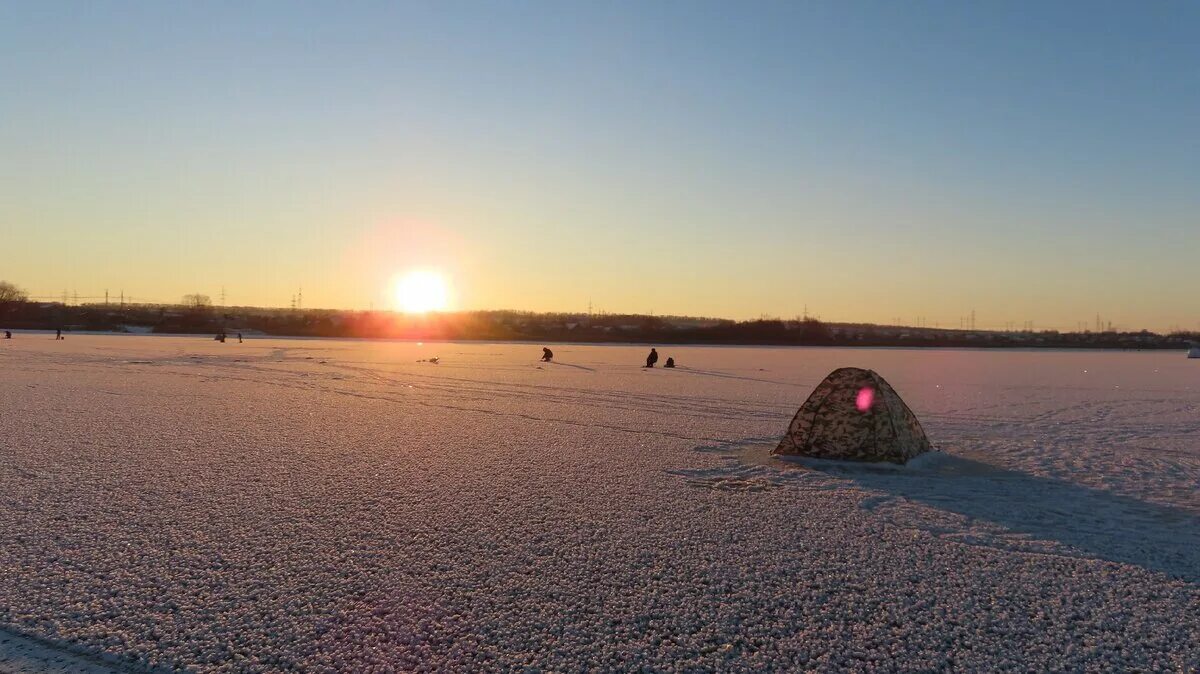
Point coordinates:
[(310, 505)]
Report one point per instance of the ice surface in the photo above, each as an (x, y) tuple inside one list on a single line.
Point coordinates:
[(338, 506)]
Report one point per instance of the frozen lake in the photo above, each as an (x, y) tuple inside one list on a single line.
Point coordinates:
[(339, 506)]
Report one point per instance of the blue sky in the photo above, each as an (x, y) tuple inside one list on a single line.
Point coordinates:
[(1031, 161)]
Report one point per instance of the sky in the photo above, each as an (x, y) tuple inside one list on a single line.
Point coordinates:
[(861, 161)]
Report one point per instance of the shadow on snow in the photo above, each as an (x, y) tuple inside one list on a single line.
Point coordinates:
[(982, 504)]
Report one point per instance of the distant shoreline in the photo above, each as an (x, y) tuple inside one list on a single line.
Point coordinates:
[(647, 344), (566, 328)]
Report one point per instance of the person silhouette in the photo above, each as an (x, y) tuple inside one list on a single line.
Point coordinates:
[(547, 355), (8, 334), (58, 334), (652, 358), (670, 362), (239, 338)]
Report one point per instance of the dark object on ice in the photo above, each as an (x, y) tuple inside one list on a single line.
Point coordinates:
[(547, 355), (220, 337), (8, 334), (652, 358), (854, 415), (239, 338), (58, 334), (670, 362)]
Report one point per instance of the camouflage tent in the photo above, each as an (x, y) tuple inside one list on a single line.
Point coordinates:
[(855, 415)]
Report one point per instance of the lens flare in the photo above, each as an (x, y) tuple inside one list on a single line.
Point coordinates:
[(866, 398)]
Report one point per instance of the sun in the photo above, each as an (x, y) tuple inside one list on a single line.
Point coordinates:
[(421, 291)]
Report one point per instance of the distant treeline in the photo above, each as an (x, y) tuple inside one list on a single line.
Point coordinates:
[(202, 318)]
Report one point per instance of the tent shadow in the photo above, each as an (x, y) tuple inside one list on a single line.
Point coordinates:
[(997, 507)]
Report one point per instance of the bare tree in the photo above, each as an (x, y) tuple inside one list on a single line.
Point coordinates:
[(11, 293), (197, 301)]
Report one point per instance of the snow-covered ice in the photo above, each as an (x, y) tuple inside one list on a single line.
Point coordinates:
[(171, 502)]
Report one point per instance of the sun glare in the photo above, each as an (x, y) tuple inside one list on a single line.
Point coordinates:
[(421, 291)]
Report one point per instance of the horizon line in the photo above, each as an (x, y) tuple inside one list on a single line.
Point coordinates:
[(130, 302)]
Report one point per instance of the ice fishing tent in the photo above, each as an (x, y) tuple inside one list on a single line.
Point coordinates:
[(854, 415), (1194, 352)]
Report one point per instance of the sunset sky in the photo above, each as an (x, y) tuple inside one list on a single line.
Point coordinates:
[(871, 161)]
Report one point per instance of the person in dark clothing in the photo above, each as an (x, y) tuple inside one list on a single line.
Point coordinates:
[(670, 362), (239, 338), (547, 355), (8, 334), (652, 358), (58, 334)]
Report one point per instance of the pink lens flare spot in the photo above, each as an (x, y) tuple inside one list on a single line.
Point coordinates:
[(866, 398)]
